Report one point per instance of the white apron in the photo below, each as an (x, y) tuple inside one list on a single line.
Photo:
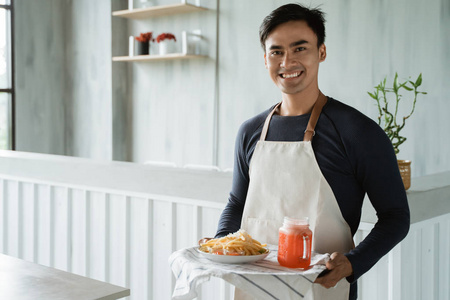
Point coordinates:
[(285, 180)]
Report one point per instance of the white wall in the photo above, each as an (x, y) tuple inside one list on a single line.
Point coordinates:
[(40, 75), (88, 55), (165, 110), (172, 102), (366, 41), (63, 75)]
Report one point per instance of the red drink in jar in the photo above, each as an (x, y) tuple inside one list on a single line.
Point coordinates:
[(294, 244)]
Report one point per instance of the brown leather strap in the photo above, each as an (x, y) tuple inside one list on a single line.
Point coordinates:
[(315, 114), (266, 123), (309, 132)]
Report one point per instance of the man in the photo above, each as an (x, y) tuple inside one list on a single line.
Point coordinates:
[(316, 157)]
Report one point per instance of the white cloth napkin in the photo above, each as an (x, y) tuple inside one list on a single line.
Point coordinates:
[(264, 279)]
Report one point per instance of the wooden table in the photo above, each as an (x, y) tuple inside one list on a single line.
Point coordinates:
[(22, 280)]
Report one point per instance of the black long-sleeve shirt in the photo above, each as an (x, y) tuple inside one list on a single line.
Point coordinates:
[(355, 156)]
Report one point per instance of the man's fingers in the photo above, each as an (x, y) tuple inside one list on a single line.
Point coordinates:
[(331, 263), (341, 262), (327, 280), (339, 266), (333, 255)]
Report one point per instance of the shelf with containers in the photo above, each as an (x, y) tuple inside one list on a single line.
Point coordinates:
[(158, 11), (154, 57)]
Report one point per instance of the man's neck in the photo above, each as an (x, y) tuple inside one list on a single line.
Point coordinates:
[(298, 104)]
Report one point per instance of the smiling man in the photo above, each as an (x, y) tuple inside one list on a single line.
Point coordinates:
[(313, 156), (292, 56)]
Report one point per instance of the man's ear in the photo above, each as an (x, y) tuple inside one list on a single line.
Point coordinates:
[(322, 52), (265, 61)]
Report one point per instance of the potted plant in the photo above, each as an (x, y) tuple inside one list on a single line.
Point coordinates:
[(143, 43), (388, 100), (166, 43)]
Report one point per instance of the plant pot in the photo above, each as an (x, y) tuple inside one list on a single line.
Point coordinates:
[(167, 46), (142, 48), (405, 172)]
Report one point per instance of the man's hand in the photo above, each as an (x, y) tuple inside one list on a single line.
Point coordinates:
[(339, 266)]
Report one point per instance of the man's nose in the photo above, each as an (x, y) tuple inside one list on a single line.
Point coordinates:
[(288, 60)]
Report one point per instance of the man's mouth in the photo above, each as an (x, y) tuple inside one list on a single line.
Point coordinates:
[(290, 75)]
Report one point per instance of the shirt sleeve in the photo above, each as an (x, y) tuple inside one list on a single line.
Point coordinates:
[(230, 219), (375, 164)]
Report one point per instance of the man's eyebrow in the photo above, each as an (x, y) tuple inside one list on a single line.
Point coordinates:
[(273, 47), (297, 43)]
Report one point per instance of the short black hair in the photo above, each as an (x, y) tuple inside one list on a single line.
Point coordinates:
[(314, 17)]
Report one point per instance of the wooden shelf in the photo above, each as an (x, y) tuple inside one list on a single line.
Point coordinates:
[(171, 56), (157, 11)]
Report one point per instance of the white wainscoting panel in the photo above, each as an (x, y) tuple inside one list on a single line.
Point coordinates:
[(416, 269), (126, 238), (115, 236)]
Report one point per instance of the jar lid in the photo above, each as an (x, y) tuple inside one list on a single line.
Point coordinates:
[(303, 221)]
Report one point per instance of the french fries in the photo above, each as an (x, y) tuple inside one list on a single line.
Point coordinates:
[(238, 243)]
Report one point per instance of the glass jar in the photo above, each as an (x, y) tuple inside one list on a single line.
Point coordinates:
[(294, 243)]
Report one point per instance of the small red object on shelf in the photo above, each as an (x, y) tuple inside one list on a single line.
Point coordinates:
[(165, 36)]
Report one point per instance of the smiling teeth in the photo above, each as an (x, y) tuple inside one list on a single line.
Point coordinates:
[(290, 75)]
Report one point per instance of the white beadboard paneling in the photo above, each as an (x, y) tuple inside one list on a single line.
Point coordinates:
[(417, 261), (394, 273), (367, 283), (139, 218), (151, 251), (125, 238), (185, 226), (107, 237), (4, 215), (382, 270), (426, 263), (3, 220), (118, 250), (164, 219), (28, 221), (13, 217), (368, 289), (444, 260), (409, 256), (61, 228), (197, 217), (423, 267), (209, 221), (44, 229), (97, 235), (80, 211), (435, 261)]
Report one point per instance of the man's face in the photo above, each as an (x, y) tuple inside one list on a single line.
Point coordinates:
[(292, 57)]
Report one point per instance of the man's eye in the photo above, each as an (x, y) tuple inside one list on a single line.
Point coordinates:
[(300, 49), (276, 52)]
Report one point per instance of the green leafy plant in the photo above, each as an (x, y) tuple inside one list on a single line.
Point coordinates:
[(388, 108)]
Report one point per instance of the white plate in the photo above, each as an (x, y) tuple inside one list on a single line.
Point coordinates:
[(231, 259)]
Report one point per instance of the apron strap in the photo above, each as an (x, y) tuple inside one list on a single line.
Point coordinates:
[(309, 132), (266, 123), (317, 109)]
